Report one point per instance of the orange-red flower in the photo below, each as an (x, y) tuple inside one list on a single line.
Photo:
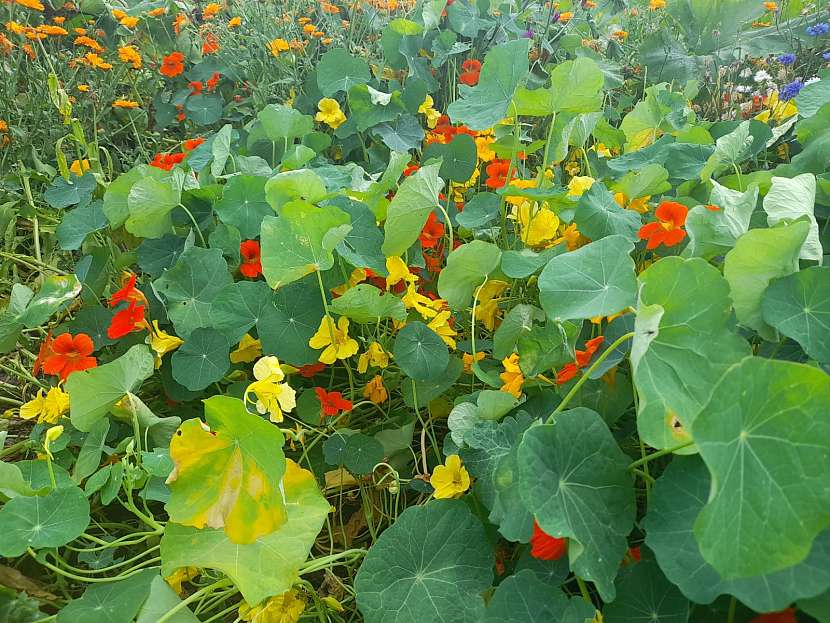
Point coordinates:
[(784, 616), (128, 293), (70, 354), (192, 143), (311, 369), (251, 265), (126, 321), (583, 358), (213, 81), (497, 173), (432, 232), (332, 403), (166, 162), (546, 547), (172, 65), (195, 87), (43, 354), (668, 228), (210, 44), (471, 69)]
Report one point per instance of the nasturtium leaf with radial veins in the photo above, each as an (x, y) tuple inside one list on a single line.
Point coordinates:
[(300, 241), (202, 359), (676, 500), (227, 472), (765, 437), (239, 306), (112, 602), (595, 280), (574, 478), (644, 593), (366, 304), (466, 270), (190, 287), (420, 352), (286, 329), (93, 392), (409, 209), (798, 306), (269, 565), (243, 204), (524, 598), (681, 347), (426, 568)]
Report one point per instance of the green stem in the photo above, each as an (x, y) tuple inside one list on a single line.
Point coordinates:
[(583, 589), (730, 617), (210, 588), (569, 396), (78, 578), (660, 453), (195, 225)]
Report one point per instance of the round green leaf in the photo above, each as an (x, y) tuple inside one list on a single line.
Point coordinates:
[(150, 203), (431, 565), (676, 500), (467, 268), (362, 453), (243, 204), (524, 598), (285, 333), (595, 280), (202, 359), (765, 437), (420, 352), (799, 307), (239, 306), (644, 593), (43, 521), (366, 304), (269, 565), (574, 478), (340, 71), (459, 157), (204, 109)]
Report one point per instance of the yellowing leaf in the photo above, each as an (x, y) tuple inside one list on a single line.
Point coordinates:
[(227, 472)]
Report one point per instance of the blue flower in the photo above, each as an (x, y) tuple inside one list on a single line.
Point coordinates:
[(817, 30), (791, 90), (826, 55), (787, 59)]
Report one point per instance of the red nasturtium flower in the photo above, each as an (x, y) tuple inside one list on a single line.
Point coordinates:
[(332, 403), (583, 358), (43, 354), (128, 293), (127, 320), (210, 44), (192, 143), (195, 87), (70, 354), (668, 228), (213, 80), (251, 265), (784, 616), (311, 369), (432, 232), (497, 173), (165, 162), (410, 169), (470, 70), (634, 554), (546, 547), (172, 64)]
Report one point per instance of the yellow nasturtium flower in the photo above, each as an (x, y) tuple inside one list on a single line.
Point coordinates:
[(162, 342), (51, 435), (420, 303), (777, 109), (398, 271), (285, 608), (249, 348), (180, 575), (376, 391), (538, 224), (431, 114), (272, 395), (48, 408), (330, 113), (374, 356), (358, 275), (578, 185), (79, 167), (334, 338), (487, 310), (450, 479), (512, 376), (468, 359), (440, 324)]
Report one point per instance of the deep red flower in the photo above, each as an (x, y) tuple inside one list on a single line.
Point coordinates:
[(195, 87), (311, 369), (70, 354), (784, 616), (410, 169), (213, 81), (332, 403), (127, 320), (634, 554), (546, 547), (471, 69), (668, 228), (433, 262), (497, 173), (432, 232), (167, 161), (251, 265)]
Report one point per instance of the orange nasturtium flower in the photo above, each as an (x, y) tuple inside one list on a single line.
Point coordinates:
[(250, 253), (69, 354), (172, 65), (668, 228), (583, 358), (376, 391), (546, 547), (512, 376)]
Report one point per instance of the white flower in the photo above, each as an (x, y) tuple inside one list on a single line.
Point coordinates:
[(762, 76)]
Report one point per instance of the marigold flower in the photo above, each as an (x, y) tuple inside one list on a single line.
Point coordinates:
[(69, 354), (59, 19), (125, 104), (126, 321), (272, 395), (88, 42), (770, 6), (211, 10), (172, 65), (162, 10), (234, 22), (251, 265), (47, 408), (79, 167), (330, 113), (278, 46), (566, 17), (376, 391), (179, 21), (83, 88), (332, 403), (130, 54), (334, 339), (512, 376), (31, 4), (96, 61), (451, 479), (657, 4), (210, 44), (53, 31), (668, 228), (546, 547), (248, 349), (163, 342), (128, 21), (374, 356)]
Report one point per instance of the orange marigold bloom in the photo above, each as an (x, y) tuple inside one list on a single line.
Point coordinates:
[(59, 19), (15, 28), (303, 20), (211, 10), (130, 54), (124, 104), (278, 46), (234, 22), (668, 228), (96, 61), (566, 17), (55, 31), (162, 10), (118, 13), (172, 65), (5, 45), (309, 28), (128, 21), (330, 8), (210, 44), (79, 31), (327, 41), (70, 354), (31, 4), (83, 88), (181, 20), (30, 52), (89, 42)]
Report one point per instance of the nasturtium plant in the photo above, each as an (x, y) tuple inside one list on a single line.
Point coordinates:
[(402, 311)]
